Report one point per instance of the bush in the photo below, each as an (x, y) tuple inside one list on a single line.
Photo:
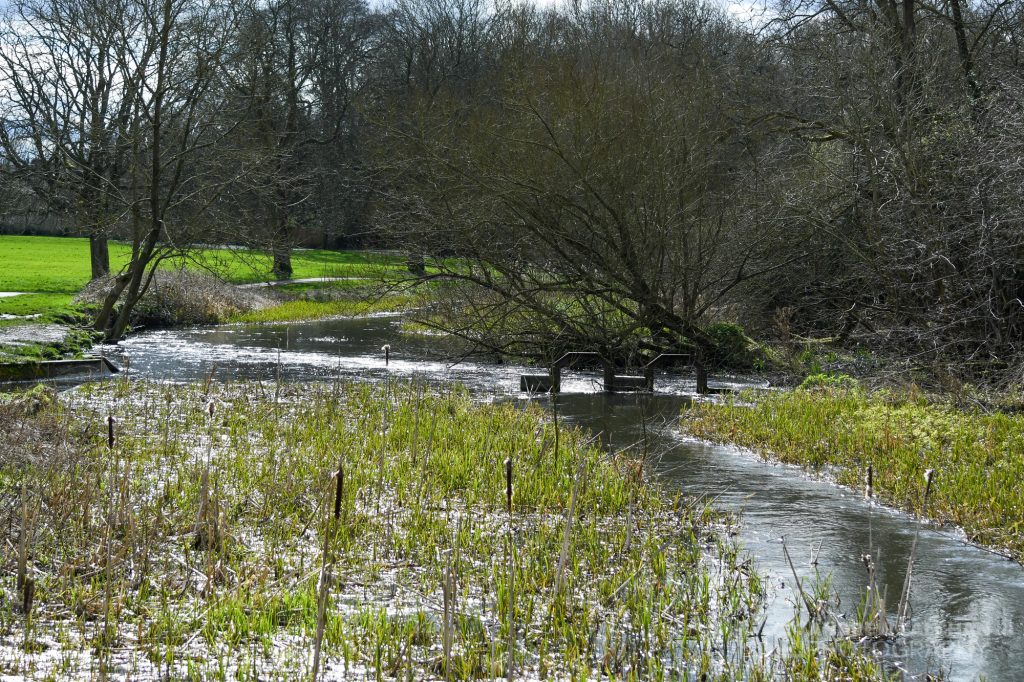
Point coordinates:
[(185, 297), (829, 381), (733, 348)]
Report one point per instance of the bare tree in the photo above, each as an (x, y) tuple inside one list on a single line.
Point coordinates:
[(896, 130), (63, 107), (591, 191), (296, 70), (119, 122)]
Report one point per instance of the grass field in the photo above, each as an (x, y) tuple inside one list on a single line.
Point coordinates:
[(33, 304), (54, 269)]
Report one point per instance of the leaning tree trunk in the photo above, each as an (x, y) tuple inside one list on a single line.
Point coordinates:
[(106, 312), (675, 332), (131, 284), (131, 297)]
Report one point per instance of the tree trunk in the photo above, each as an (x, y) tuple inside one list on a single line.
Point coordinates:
[(132, 296), (416, 264), (282, 261), (109, 301), (281, 244), (963, 51), (674, 333), (99, 256), (117, 329)]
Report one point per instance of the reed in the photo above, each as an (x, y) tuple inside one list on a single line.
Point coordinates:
[(510, 664), (403, 577), (902, 610), (330, 529)]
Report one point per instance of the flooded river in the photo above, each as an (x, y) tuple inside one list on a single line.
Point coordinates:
[(967, 619)]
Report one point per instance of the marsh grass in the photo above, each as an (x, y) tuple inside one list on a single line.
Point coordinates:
[(398, 573), (977, 457)]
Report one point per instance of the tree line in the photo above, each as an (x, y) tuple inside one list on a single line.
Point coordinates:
[(617, 175)]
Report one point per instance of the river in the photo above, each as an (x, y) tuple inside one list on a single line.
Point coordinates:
[(967, 604)]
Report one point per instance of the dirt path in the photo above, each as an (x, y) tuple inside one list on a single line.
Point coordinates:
[(303, 280)]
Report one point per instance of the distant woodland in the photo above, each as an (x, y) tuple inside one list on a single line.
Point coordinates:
[(620, 174)]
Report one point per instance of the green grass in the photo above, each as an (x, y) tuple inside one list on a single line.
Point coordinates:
[(36, 304), (43, 264), (978, 458), (294, 311), (243, 265), (61, 264), (51, 270), (193, 548), (315, 288)]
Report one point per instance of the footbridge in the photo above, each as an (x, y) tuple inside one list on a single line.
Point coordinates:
[(552, 381)]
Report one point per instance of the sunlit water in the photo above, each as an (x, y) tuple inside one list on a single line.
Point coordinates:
[(967, 604)]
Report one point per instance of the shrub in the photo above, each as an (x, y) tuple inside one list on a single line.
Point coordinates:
[(185, 297), (733, 348), (829, 381)]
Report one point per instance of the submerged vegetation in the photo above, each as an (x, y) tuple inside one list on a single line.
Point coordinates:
[(258, 531), (977, 457)]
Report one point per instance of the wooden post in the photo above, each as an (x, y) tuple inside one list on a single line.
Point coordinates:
[(609, 376), (702, 378)]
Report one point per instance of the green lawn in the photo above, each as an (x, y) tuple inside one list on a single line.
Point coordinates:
[(243, 265), (53, 269), (35, 304)]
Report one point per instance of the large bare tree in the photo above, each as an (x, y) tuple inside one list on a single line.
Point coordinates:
[(297, 67), (120, 121), (591, 188), (64, 103)]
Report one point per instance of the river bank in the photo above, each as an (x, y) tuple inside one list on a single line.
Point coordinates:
[(47, 273), (45, 292), (954, 465)]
